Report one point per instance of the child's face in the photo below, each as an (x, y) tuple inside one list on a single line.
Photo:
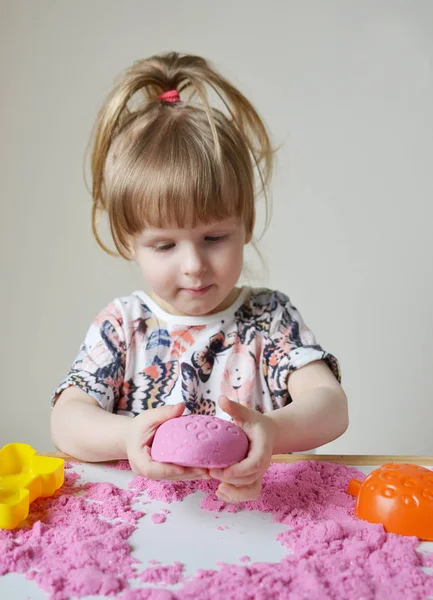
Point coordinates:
[(192, 271)]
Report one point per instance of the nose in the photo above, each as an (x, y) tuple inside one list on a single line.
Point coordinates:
[(193, 262)]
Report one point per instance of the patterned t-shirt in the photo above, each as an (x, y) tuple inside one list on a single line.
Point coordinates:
[(136, 356)]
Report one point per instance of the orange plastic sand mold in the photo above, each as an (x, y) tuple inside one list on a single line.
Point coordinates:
[(399, 496), (23, 478)]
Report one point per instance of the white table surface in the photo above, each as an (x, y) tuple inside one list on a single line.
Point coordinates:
[(181, 537)]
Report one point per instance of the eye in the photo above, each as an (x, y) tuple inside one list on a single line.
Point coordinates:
[(163, 247), (215, 238)]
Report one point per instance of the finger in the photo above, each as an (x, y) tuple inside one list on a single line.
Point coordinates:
[(217, 473), (189, 477), (231, 475), (155, 470), (196, 471), (226, 476), (238, 412), (241, 481), (240, 494), (169, 471), (254, 463), (160, 471), (257, 461)]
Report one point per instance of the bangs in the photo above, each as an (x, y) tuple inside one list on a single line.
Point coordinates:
[(175, 176)]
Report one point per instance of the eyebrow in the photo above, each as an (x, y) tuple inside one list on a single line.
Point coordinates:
[(145, 237), (169, 234)]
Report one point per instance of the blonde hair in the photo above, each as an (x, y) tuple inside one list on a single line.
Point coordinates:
[(157, 163)]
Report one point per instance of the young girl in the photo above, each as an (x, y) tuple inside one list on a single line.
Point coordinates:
[(177, 180)]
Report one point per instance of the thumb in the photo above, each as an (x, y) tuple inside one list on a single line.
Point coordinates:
[(157, 416), (237, 411)]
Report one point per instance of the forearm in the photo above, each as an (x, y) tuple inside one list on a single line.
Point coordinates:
[(87, 432), (315, 418)]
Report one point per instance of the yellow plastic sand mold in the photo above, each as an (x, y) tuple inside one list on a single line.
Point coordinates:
[(24, 476)]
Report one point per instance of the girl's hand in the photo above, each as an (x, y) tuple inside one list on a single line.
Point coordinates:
[(139, 436), (243, 481)]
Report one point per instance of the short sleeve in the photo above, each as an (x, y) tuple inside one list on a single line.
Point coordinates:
[(290, 346), (99, 367)]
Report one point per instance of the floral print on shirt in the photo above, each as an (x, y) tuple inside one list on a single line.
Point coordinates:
[(136, 357)]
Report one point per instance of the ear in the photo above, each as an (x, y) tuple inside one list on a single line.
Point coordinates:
[(131, 249)]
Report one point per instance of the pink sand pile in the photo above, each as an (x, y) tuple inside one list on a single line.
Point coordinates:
[(335, 555), (170, 574), (75, 545), (78, 545), (118, 465), (148, 594)]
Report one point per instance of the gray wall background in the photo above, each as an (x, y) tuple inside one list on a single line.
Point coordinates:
[(346, 86)]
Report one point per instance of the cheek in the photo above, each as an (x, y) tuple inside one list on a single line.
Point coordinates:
[(229, 258), (153, 268), (235, 259)]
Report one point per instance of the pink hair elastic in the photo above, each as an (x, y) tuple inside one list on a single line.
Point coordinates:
[(171, 96)]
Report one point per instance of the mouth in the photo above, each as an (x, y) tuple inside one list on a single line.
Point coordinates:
[(198, 291)]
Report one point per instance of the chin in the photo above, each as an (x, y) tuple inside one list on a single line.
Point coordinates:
[(206, 309), (199, 312)]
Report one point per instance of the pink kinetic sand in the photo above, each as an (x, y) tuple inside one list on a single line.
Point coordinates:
[(158, 518), (75, 545), (334, 555), (118, 465), (170, 574), (78, 545), (199, 441)]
